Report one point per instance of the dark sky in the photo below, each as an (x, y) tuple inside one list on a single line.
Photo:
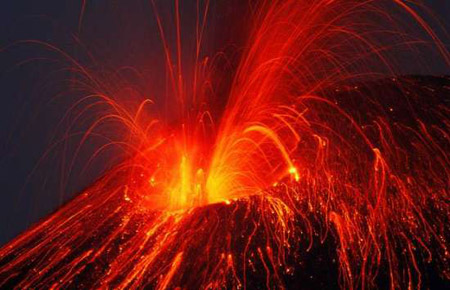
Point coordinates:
[(27, 119)]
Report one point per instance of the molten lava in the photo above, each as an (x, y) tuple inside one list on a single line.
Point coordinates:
[(315, 146)]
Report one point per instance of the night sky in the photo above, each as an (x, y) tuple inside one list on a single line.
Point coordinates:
[(117, 33)]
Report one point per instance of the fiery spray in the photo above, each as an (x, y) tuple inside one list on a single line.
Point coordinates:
[(302, 154)]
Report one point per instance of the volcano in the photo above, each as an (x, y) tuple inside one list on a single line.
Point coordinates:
[(286, 236)]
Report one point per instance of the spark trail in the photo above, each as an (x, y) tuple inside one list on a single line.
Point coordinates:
[(313, 147)]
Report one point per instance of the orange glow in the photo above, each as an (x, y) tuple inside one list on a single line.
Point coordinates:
[(204, 200)]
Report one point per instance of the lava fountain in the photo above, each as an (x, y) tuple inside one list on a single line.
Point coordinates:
[(307, 152)]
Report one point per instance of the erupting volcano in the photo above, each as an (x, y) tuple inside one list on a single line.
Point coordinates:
[(316, 165)]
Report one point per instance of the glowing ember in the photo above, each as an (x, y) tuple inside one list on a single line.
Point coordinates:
[(306, 152)]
